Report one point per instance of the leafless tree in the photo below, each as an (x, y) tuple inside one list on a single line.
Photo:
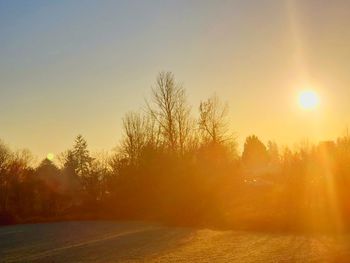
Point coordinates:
[(213, 120), (170, 111), (5, 157), (139, 131)]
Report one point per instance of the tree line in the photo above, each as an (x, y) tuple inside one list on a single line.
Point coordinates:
[(179, 168)]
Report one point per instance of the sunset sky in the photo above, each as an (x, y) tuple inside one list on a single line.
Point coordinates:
[(70, 67)]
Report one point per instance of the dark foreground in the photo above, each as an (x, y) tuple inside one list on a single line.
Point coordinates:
[(141, 242)]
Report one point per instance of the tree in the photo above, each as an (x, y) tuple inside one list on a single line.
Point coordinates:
[(49, 187), (47, 169), (212, 120), (19, 170), (138, 132), (69, 163), (170, 111), (273, 153), (101, 172), (5, 157), (184, 122), (76, 169), (254, 154), (82, 157)]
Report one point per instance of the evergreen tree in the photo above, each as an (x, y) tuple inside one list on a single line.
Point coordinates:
[(81, 157), (255, 154)]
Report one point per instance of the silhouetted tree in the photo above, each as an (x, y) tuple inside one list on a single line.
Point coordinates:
[(170, 111), (170, 169), (82, 156), (138, 132), (212, 120), (254, 155), (47, 169), (5, 156), (50, 187), (273, 152)]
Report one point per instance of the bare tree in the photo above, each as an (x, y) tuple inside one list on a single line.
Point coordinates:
[(213, 120), (139, 132), (13, 171), (170, 111), (184, 122), (134, 137), (5, 157)]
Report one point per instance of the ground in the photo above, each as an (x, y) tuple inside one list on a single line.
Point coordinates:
[(101, 241)]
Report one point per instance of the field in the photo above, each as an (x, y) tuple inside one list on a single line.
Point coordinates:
[(106, 241)]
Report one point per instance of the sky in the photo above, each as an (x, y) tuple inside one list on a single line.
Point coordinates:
[(76, 67)]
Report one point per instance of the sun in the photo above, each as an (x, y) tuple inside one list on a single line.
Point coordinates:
[(308, 99), (50, 156)]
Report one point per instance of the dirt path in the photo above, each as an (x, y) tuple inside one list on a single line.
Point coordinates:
[(139, 242)]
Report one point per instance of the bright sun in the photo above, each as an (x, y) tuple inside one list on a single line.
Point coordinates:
[(308, 99), (50, 156)]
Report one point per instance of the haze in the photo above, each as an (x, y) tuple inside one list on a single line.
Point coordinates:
[(71, 67)]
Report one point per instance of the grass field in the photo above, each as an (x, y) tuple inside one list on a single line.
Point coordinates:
[(106, 241)]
